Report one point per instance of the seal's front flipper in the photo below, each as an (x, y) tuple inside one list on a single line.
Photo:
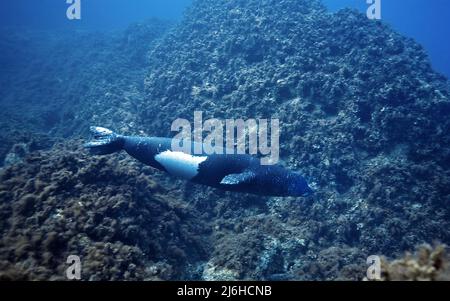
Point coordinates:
[(238, 178), (104, 141)]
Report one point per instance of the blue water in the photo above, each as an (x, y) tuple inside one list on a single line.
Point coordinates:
[(427, 21), (96, 14)]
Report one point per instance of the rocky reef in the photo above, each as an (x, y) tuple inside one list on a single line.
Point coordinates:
[(107, 211), (426, 264), (362, 114)]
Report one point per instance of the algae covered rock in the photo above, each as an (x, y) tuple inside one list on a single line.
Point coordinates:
[(118, 220), (362, 114), (426, 264)]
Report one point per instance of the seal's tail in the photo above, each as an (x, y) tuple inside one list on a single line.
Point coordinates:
[(104, 141)]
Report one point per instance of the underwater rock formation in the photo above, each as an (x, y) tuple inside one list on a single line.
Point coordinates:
[(122, 224), (426, 264), (362, 113)]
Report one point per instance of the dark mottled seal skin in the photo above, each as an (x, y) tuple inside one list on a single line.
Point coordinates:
[(231, 172)]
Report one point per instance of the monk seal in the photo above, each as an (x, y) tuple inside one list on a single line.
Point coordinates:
[(230, 172)]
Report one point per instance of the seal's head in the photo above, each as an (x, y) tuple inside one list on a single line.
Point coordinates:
[(297, 186)]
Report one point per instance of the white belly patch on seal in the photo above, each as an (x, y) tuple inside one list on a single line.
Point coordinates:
[(180, 164)]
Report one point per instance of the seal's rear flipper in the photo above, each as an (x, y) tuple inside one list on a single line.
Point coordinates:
[(104, 141)]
